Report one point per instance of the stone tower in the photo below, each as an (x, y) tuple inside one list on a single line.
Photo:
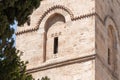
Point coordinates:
[(107, 37), (72, 40)]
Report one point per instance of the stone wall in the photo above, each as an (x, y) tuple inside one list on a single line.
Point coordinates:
[(74, 26), (76, 71), (107, 39)]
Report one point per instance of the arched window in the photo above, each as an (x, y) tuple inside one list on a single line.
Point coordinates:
[(53, 29), (112, 48)]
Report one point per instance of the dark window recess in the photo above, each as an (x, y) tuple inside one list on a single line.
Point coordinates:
[(109, 56), (55, 45)]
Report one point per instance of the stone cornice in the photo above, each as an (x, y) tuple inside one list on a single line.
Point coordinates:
[(73, 18), (62, 63)]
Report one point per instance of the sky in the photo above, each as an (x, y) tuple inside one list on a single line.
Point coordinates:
[(15, 27)]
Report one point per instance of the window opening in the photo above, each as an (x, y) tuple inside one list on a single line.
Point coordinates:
[(55, 45), (109, 53)]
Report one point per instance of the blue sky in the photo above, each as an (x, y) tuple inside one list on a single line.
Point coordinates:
[(15, 27)]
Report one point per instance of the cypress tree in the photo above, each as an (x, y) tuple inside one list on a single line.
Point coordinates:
[(11, 66)]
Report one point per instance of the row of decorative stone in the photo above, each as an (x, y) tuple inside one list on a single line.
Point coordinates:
[(83, 16), (26, 31), (52, 9)]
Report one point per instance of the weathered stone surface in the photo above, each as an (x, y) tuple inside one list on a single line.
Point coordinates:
[(75, 30), (107, 40), (84, 28)]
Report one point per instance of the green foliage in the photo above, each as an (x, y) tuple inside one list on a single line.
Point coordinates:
[(11, 66), (17, 9), (45, 78)]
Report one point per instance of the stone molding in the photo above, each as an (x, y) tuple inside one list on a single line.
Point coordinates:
[(73, 18), (62, 63)]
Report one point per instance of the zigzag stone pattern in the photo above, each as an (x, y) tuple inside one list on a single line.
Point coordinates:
[(83, 16), (73, 18)]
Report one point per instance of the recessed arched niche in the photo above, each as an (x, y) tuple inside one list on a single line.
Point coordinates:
[(112, 43), (55, 19), (54, 36), (112, 47)]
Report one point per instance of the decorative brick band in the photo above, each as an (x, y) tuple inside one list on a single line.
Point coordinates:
[(62, 63), (83, 16), (52, 9)]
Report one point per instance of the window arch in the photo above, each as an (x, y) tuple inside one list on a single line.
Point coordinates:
[(53, 28), (112, 48), (54, 18)]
